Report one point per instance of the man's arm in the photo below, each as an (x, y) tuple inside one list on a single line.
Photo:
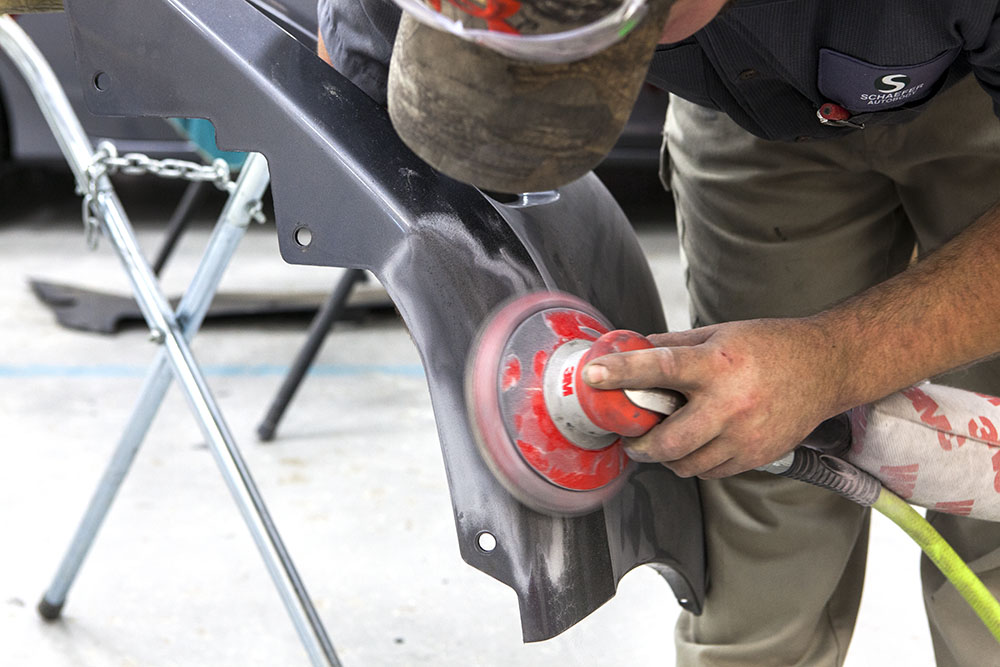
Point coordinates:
[(756, 388)]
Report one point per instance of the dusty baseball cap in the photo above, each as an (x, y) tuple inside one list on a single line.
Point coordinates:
[(519, 95)]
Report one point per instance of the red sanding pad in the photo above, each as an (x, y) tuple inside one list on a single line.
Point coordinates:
[(516, 436)]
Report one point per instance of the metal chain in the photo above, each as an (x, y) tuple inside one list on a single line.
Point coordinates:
[(107, 162), (90, 190)]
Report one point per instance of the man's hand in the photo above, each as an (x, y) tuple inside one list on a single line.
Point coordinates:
[(755, 390)]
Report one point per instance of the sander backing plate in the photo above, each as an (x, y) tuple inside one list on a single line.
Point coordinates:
[(516, 436)]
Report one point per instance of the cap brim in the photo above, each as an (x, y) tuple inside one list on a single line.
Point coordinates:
[(508, 125)]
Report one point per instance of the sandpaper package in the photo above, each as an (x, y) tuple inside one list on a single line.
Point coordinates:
[(935, 446)]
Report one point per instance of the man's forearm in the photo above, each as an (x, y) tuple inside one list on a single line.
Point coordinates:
[(942, 313)]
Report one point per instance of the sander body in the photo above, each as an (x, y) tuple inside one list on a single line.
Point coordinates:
[(551, 440)]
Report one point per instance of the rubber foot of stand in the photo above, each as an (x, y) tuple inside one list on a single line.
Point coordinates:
[(265, 432), (49, 611)]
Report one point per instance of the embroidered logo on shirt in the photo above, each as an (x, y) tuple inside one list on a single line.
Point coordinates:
[(862, 87), (892, 90), (892, 83)]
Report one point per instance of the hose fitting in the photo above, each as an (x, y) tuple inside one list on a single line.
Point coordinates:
[(834, 474)]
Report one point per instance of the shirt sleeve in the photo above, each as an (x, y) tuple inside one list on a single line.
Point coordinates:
[(359, 35), (985, 61)]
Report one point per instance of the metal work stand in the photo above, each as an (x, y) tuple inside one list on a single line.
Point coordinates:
[(172, 330)]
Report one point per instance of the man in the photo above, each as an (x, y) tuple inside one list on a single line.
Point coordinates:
[(812, 145)]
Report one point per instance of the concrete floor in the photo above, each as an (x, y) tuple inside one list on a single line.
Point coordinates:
[(355, 483)]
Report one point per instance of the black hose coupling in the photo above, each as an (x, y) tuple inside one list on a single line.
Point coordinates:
[(834, 474)]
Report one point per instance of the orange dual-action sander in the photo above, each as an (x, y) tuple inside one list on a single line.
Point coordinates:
[(552, 440)]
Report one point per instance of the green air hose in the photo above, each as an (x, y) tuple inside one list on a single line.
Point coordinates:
[(941, 553), (835, 474)]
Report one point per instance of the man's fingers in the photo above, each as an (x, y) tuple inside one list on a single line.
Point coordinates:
[(705, 462), (680, 368), (712, 459), (675, 437)]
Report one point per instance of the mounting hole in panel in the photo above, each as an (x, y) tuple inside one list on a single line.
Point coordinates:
[(486, 541), (304, 236)]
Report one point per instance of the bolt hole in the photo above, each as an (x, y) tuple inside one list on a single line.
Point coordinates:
[(102, 81), (486, 541), (304, 236)]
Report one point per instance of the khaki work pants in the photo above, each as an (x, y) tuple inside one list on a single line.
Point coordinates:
[(773, 229)]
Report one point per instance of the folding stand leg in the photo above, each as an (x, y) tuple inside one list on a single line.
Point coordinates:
[(191, 311), (318, 329), (164, 323)]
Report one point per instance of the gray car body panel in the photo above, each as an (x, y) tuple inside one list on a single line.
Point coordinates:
[(447, 255)]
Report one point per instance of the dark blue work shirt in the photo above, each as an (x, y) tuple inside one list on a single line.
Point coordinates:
[(771, 64)]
